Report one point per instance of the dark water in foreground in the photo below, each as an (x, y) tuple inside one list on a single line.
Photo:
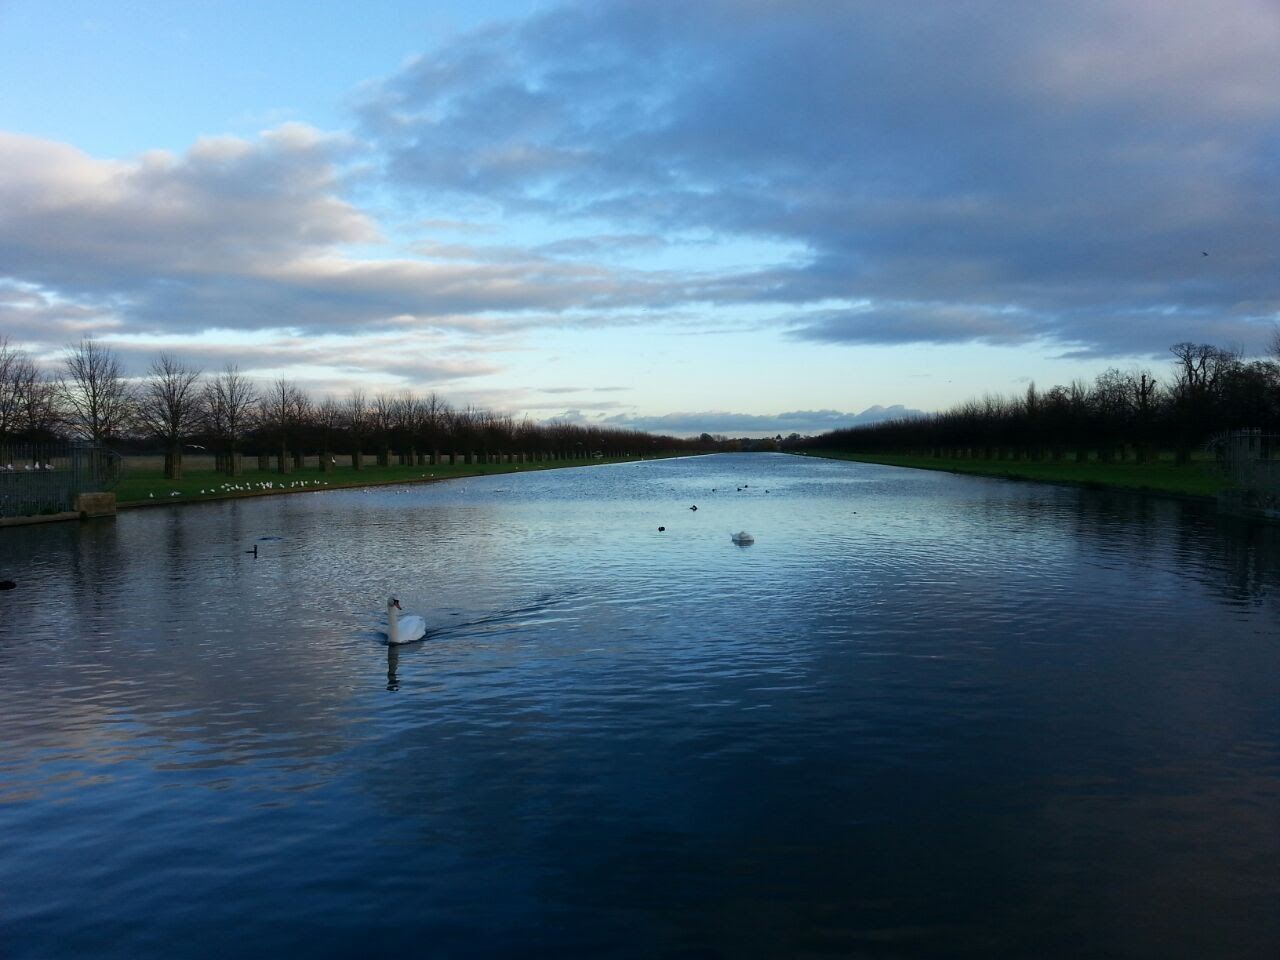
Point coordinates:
[(923, 716)]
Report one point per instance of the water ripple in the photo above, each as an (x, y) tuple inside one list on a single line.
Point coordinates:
[(922, 715)]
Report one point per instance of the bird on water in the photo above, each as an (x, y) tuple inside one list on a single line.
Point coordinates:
[(404, 630)]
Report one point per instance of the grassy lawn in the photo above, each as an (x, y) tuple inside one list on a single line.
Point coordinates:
[(144, 481), (1196, 479)]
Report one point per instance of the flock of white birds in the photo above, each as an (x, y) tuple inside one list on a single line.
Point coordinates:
[(252, 487)]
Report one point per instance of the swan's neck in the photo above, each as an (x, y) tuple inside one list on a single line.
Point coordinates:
[(393, 630)]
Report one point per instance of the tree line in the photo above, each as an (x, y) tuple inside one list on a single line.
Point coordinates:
[(1122, 414), (177, 406)]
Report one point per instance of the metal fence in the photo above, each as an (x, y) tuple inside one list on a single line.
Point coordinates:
[(47, 477), (1250, 458)]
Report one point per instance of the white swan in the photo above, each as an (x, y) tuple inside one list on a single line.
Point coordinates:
[(742, 538), (409, 629)]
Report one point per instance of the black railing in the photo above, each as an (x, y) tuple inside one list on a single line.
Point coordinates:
[(1250, 458), (47, 477)]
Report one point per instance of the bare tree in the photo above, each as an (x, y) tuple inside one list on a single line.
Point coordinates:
[(9, 405), (356, 414), (435, 422), (1143, 399), (383, 416), (1200, 368), (302, 418), (169, 407), (406, 416), (26, 404), (41, 414), (229, 399), (1199, 373), (463, 429), (99, 401), (329, 419), (280, 409)]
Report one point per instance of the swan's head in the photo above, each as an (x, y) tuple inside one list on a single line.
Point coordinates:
[(393, 602)]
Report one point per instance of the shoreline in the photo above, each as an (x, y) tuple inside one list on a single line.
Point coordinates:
[(315, 482), (1058, 473), (310, 481), (284, 491)]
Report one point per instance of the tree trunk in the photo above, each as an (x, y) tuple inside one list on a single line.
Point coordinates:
[(173, 462)]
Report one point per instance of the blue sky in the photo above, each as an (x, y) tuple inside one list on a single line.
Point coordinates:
[(741, 216)]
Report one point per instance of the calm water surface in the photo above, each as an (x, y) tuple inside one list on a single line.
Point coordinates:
[(922, 716)]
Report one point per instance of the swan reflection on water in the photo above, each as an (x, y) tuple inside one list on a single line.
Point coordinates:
[(393, 664)]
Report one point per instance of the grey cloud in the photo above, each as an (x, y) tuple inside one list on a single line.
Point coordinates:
[(919, 323), (604, 244), (1070, 160), (83, 224), (31, 315), (749, 424), (417, 360), (558, 390), (249, 235)]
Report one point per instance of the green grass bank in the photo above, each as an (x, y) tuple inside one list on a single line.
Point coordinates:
[(144, 483), (1197, 479)]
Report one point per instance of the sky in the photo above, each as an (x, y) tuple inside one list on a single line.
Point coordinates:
[(735, 216)]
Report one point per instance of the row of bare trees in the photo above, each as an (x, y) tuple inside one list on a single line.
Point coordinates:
[(1122, 413), (178, 406)]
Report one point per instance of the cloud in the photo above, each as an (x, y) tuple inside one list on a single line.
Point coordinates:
[(942, 162), (31, 315), (256, 234), (602, 245), (228, 204), (1043, 176), (374, 360), (744, 424), (921, 323)]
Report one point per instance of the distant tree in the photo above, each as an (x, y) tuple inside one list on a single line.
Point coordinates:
[(11, 360), (229, 401), (42, 414), (382, 415), (1144, 399), (329, 419), (463, 428), (99, 400), (433, 423), (280, 410), (169, 407), (410, 413), (1200, 371), (302, 426), (356, 416), (497, 431), (1250, 396), (28, 399), (1112, 409), (1030, 423)]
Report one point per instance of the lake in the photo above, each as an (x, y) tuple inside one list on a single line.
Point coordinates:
[(922, 715)]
